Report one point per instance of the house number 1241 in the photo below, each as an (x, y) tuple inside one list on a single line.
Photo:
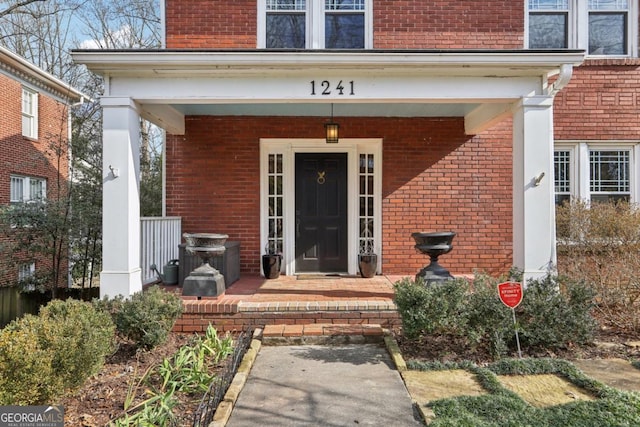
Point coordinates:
[(325, 87)]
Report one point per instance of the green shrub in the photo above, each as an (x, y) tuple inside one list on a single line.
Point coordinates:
[(490, 323), (42, 357), (554, 313), (146, 318), (431, 309), (79, 338), (26, 374)]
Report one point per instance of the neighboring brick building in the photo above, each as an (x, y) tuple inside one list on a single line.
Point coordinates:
[(453, 116), (34, 107)]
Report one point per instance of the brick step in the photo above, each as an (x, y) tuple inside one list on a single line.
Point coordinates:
[(322, 333)]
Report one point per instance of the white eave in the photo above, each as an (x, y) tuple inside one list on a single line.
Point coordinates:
[(27, 70), (463, 62)]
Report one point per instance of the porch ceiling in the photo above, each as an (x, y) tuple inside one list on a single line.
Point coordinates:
[(323, 110)]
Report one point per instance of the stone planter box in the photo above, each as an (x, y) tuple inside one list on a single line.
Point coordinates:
[(228, 264)]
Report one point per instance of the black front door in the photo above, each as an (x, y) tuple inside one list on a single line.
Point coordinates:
[(321, 212)]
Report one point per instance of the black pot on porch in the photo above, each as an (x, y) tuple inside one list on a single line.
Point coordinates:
[(271, 265), (367, 264)]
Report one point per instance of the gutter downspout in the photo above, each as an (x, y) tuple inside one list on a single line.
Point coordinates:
[(566, 71)]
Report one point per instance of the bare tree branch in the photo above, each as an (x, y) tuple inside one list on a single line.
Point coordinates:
[(14, 7)]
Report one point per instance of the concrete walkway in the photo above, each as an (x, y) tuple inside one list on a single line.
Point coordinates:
[(324, 385)]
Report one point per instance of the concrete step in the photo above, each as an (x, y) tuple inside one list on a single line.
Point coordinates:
[(322, 333)]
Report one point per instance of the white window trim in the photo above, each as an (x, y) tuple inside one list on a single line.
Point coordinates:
[(26, 270), (33, 115), (314, 24), (353, 147), (580, 185), (26, 187), (578, 28)]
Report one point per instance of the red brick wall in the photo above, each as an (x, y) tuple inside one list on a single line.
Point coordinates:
[(446, 24), (601, 102), (211, 24), (435, 178), (23, 156), (416, 24)]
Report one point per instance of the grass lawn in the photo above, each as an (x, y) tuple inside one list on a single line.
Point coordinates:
[(501, 407)]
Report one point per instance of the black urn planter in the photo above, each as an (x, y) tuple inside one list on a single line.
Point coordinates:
[(368, 265), (434, 245), (271, 265)]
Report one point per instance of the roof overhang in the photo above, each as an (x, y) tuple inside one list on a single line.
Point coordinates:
[(476, 84), (26, 70)]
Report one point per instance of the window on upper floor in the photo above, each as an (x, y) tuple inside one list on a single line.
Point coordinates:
[(314, 24), (24, 189), (601, 27), (593, 172), (29, 113)]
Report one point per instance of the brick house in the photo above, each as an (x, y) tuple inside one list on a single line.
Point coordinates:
[(472, 116), (35, 113)]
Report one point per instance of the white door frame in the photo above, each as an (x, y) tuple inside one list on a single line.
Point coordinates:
[(353, 147)]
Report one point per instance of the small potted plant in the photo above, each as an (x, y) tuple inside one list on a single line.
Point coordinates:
[(271, 262), (367, 259)]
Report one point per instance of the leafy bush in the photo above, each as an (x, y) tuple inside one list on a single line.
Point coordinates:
[(26, 373), (146, 318), (554, 313), (600, 245), (431, 309), (79, 338), (490, 323), (42, 357)]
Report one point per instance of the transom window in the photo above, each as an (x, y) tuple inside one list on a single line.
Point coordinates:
[(606, 176), (314, 24), (601, 27), (29, 113), (24, 189)]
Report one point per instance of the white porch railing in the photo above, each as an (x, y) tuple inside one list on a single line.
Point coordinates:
[(159, 240)]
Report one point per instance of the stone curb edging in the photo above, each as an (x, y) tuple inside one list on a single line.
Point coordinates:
[(401, 366)]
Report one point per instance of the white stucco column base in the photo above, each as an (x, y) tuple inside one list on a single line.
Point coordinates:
[(534, 235), (121, 273)]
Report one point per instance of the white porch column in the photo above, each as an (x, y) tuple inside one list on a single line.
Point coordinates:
[(121, 274), (534, 235)]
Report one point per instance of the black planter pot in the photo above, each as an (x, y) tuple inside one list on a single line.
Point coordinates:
[(368, 264), (271, 266)]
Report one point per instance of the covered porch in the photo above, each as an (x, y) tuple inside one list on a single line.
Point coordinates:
[(202, 97)]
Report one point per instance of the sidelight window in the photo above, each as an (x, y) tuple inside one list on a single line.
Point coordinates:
[(275, 203), (366, 203)]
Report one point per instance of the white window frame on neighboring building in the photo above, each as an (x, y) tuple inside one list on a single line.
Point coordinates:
[(29, 113), (26, 270), (580, 166), (578, 14), (27, 188), (315, 12)]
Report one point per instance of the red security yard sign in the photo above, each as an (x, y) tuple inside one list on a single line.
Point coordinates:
[(510, 293)]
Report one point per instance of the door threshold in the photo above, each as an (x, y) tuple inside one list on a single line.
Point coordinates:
[(320, 276)]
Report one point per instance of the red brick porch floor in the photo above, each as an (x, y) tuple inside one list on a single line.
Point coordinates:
[(294, 300)]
